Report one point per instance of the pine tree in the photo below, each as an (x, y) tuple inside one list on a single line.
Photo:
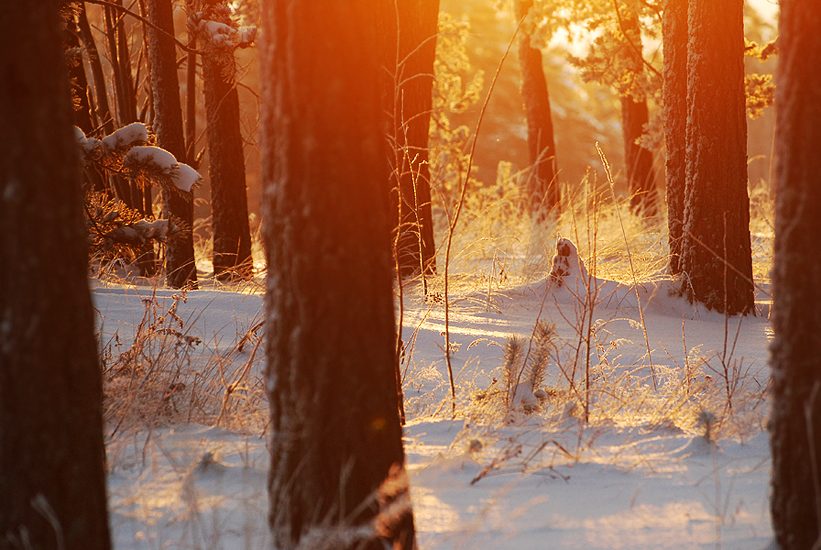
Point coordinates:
[(226, 160), (674, 30), (716, 257), (641, 176), (544, 193), (330, 319), (179, 252), (52, 477), (411, 48), (795, 423)]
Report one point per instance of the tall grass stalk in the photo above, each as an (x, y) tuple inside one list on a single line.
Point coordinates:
[(455, 219), (630, 258)]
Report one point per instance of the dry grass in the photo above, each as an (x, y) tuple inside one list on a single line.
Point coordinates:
[(167, 375)]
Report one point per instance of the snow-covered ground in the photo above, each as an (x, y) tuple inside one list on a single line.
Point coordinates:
[(639, 475)]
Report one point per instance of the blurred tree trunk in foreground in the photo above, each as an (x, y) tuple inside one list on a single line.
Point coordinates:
[(52, 478), (543, 192), (795, 424), (226, 160), (716, 257), (410, 48), (179, 251), (337, 462), (674, 30)]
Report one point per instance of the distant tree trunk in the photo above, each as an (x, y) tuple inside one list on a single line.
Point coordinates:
[(191, 104), (104, 114), (77, 76), (634, 115), (52, 477), (795, 424), (179, 251), (80, 92), (330, 319), (543, 192), (639, 161), (715, 257), (674, 30), (126, 96), (229, 199), (411, 108)]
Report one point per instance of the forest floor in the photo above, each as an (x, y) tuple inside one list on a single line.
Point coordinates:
[(614, 446)]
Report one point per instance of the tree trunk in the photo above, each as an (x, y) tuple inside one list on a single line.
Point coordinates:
[(330, 320), (639, 161), (125, 95), (411, 107), (543, 191), (641, 177), (229, 202), (795, 423), (104, 114), (716, 259), (77, 76), (674, 30), (179, 251), (52, 478)]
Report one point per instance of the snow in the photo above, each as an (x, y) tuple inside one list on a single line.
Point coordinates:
[(135, 132), (183, 176), (86, 144), (640, 475), (155, 155), (186, 177), (218, 34), (222, 35)]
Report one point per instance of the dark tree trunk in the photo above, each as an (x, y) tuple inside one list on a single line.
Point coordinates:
[(334, 422), (543, 191), (81, 94), (411, 107), (674, 30), (795, 424), (639, 161), (179, 251), (715, 254), (191, 104), (104, 114), (126, 97), (77, 77), (229, 202), (51, 438), (641, 177)]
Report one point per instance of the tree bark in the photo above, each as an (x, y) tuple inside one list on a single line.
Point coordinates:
[(795, 422), (125, 95), (179, 251), (543, 191), (674, 31), (229, 199), (51, 438), (716, 259), (641, 177), (104, 114), (640, 173), (330, 320), (411, 103)]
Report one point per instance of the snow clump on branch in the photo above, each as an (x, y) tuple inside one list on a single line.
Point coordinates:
[(147, 161), (125, 136), (220, 35)]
